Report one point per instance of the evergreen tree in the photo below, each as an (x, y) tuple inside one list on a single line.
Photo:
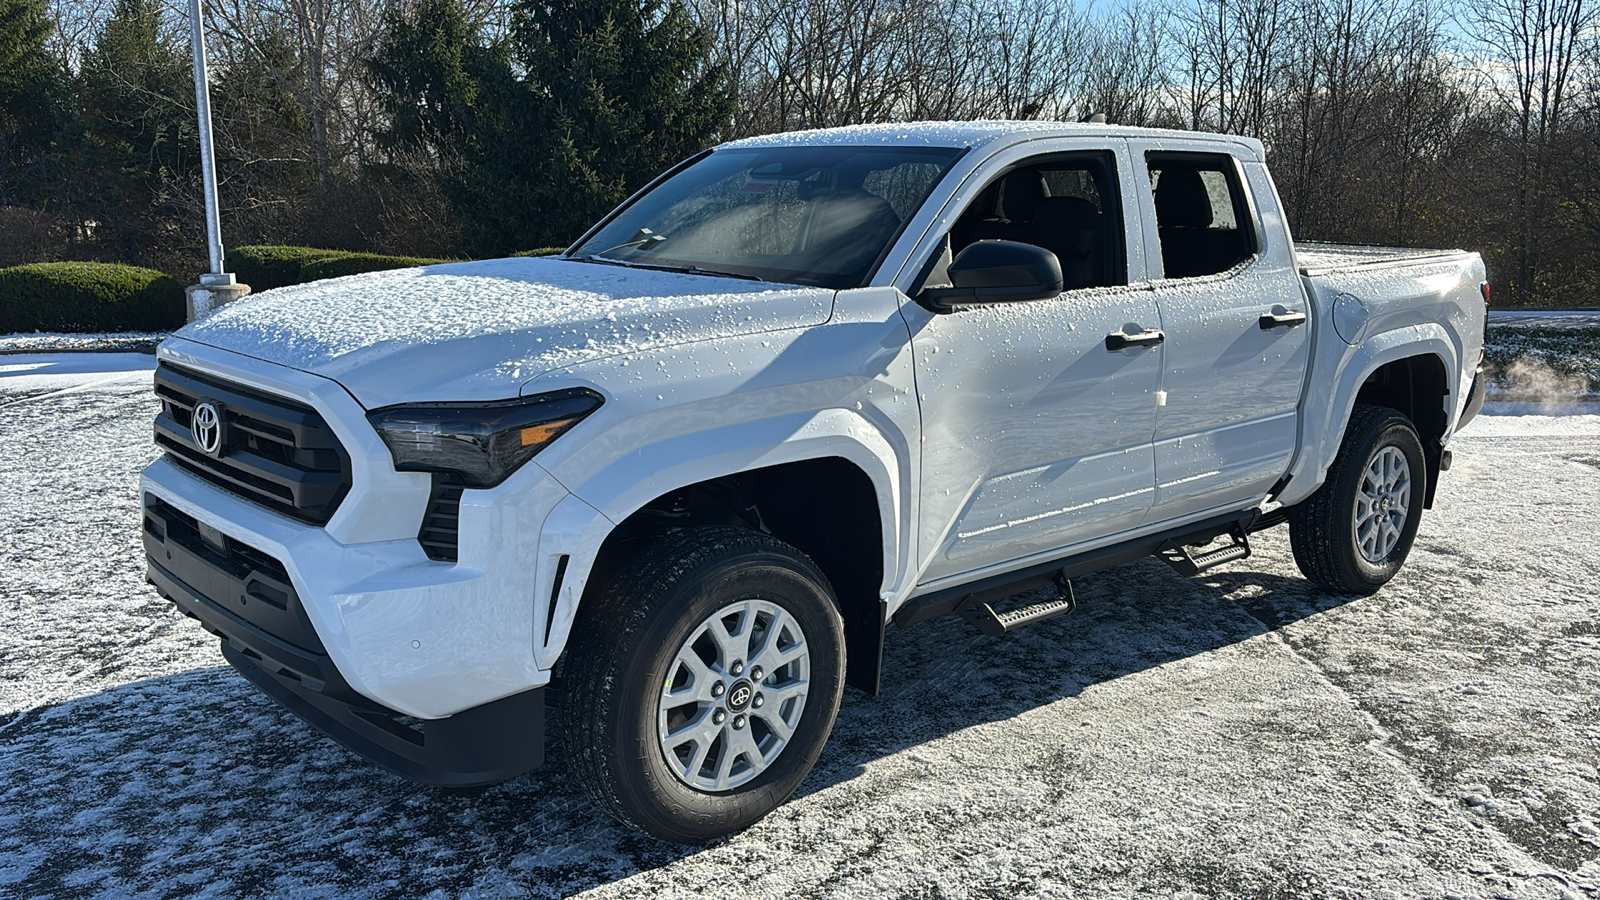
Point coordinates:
[(624, 88), (427, 73), (32, 112), (535, 138), (137, 91), (446, 96)]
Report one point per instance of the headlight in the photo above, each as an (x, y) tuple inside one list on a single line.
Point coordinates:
[(483, 443)]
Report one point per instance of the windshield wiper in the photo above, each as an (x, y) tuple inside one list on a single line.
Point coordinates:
[(698, 270), (664, 267), (640, 238)]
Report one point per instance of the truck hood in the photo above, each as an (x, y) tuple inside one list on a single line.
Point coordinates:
[(480, 330)]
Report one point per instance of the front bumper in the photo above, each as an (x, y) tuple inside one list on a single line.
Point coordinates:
[(246, 598), (367, 627)]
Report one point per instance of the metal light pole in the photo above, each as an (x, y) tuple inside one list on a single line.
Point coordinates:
[(217, 286)]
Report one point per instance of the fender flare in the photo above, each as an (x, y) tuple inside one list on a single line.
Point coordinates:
[(580, 524), (1322, 424)]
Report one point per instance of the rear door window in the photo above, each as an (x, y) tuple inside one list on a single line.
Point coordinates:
[(1201, 214)]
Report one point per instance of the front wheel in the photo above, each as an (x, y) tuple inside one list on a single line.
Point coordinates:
[(1355, 532), (702, 683)]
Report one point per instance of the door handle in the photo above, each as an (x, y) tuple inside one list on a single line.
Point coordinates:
[(1121, 340), (1281, 317)]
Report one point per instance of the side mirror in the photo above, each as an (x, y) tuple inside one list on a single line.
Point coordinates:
[(996, 272)]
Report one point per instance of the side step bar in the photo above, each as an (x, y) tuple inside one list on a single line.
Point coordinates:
[(982, 612), (986, 591), (1190, 560)]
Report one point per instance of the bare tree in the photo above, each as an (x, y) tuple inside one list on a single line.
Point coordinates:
[(329, 39), (77, 23), (1537, 42)]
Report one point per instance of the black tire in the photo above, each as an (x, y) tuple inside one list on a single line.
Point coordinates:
[(622, 652), (1322, 528)]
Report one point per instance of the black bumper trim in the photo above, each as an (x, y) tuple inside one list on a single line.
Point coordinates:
[(311, 669), (489, 743), (482, 745)]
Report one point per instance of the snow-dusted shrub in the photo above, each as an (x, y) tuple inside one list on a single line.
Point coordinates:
[(88, 297), (266, 267)]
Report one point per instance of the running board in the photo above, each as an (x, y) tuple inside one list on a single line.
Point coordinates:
[(982, 613), (952, 599), (1190, 561)]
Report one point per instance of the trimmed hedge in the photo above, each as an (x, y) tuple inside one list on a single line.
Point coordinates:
[(356, 263), (265, 268), (88, 297), (542, 251)]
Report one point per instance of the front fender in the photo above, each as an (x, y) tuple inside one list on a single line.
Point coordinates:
[(577, 528), (680, 416)]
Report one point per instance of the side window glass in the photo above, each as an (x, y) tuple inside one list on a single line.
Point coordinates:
[(1066, 205), (1200, 206)]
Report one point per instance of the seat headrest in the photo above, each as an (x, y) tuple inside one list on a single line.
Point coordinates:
[(1182, 199), (1076, 223), (854, 223), (1020, 200), (852, 208), (1070, 212)]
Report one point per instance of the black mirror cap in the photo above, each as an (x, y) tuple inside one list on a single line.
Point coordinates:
[(997, 272)]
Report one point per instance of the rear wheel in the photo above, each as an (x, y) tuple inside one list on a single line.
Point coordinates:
[(703, 682), (1353, 535)]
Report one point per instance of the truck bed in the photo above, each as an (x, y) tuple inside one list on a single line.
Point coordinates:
[(1317, 258)]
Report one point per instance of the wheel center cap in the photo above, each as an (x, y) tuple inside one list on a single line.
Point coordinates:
[(739, 696)]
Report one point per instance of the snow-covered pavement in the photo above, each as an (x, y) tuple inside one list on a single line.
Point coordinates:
[(1239, 734)]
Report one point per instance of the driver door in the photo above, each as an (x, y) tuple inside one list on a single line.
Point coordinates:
[(1036, 434)]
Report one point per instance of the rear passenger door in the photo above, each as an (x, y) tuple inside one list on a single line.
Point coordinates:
[(1235, 319)]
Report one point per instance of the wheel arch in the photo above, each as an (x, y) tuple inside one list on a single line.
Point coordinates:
[(1418, 387), (1406, 369), (825, 507), (834, 491)]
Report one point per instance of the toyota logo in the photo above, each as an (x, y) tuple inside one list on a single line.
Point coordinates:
[(739, 697), (206, 428)]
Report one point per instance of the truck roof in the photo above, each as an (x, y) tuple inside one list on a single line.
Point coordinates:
[(974, 134)]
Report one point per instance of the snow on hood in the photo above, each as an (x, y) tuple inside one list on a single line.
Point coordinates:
[(479, 330)]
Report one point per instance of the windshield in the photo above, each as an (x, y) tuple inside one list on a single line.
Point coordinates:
[(803, 215)]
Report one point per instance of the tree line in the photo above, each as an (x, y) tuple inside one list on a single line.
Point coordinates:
[(454, 128)]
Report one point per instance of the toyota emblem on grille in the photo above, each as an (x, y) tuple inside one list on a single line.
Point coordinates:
[(206, 427)]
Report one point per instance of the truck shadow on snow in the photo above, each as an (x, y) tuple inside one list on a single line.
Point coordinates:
[(943, 676), (196, 781)]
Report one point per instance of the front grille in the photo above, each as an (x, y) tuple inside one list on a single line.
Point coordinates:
[(274, 451), (244, 581), (441, 526)]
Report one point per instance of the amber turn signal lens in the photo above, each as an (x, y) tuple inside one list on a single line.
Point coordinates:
[(539, 435)]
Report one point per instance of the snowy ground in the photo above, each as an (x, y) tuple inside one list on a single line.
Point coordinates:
[(1239, 734)]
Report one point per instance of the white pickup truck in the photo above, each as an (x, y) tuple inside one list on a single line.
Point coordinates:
[(798, 388)]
